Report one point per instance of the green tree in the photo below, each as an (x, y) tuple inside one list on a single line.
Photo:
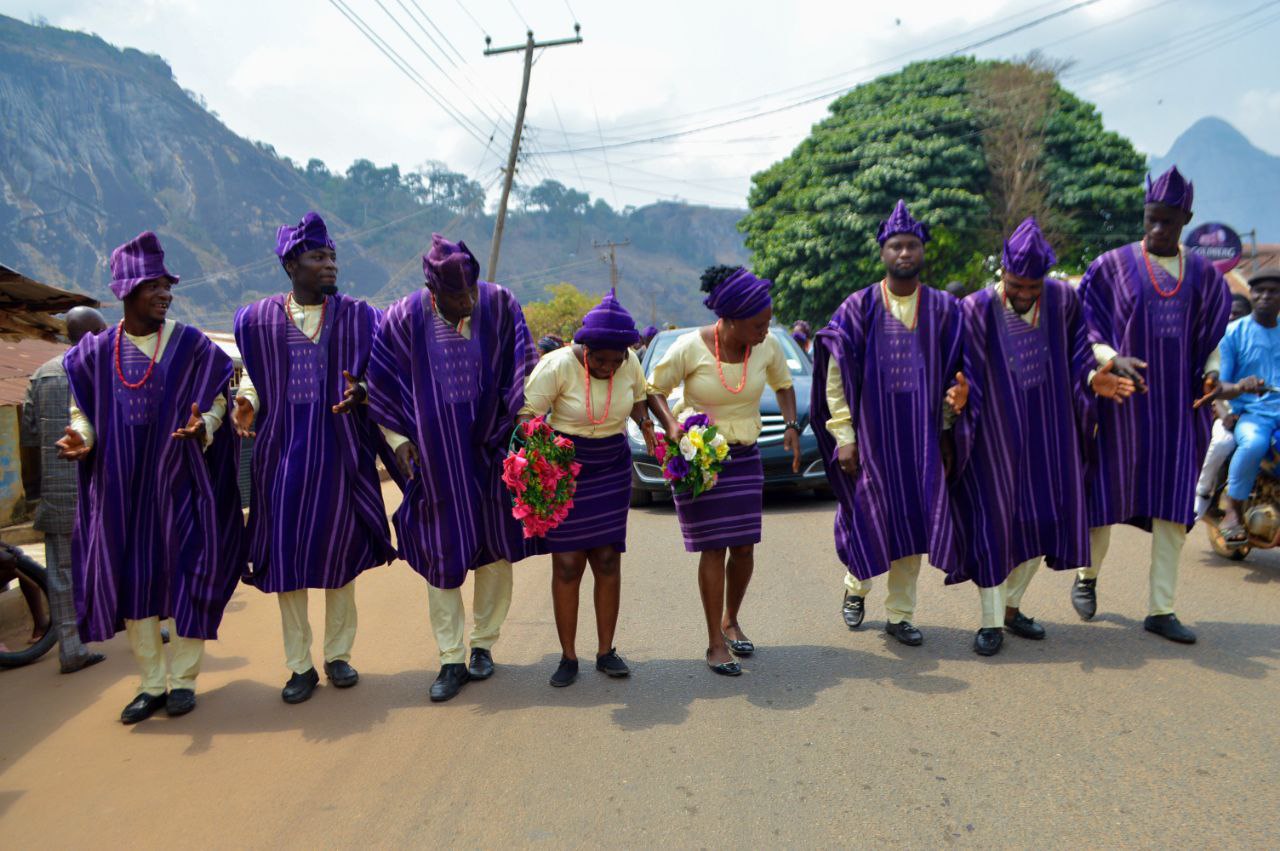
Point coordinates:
[(561, 314), (918, 135)]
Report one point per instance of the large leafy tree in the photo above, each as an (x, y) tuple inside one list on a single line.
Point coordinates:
[(924, 134)]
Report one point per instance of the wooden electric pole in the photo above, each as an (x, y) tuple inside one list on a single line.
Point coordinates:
[(528, 48), (613, 258)]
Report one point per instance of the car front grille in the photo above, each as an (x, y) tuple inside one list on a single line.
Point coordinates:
[(773, 427)]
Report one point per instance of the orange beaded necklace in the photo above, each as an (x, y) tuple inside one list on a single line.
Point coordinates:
[(746, 359), (1151, 273), (155, 356), (586, 388)]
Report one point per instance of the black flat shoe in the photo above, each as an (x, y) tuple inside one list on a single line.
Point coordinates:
[(725, 669), (449, 682), (905, 632), (82, 663), (1084, 597), (300, 687), (341, 674), (853, 610), (565, 673), (180, 702), (1024, 627), (481, 667), (739, 648), (988, 641), (1168, 626), (143, 707), (611, 664)]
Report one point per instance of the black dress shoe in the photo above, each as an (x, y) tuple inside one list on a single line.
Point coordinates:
[(1084, 596), (143, 707), (612, 664), (565, 673), (724, 669), (988, 640), (739, 646), (905, 632), (481, 667), (341, 674), (180, 702), (300, 687), (83, 662), (1168, 626), (1024, 627), (854, 610), (449, 682)]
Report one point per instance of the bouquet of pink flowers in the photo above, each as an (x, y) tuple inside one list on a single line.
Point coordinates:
[(541, 475), (693, 463)]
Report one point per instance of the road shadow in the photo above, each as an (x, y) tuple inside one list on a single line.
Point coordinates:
[(9, 797), (249, 707), (1260, 567)]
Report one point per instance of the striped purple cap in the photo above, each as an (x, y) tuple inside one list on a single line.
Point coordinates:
[(140, 259)]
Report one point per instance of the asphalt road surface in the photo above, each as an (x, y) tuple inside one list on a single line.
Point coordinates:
[(1102, 735)]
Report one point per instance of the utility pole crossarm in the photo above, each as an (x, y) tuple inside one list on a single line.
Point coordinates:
[(613, 258), (528, 47)]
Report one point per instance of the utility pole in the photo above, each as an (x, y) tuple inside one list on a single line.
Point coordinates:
[(528, 48), (613, 258)]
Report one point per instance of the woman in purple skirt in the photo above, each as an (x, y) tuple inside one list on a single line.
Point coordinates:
[(590, 389), (724, 368)]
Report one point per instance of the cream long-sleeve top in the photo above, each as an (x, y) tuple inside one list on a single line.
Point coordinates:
[(147, 345), (840, 424), (558, 385), (736, 415)]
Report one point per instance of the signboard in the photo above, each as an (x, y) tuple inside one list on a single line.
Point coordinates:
[(1217, 243)]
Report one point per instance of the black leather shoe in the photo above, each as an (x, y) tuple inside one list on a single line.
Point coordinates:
[(612, 664), (449, 682), (854, 610), (1168, 626), (1084, 596), (341, 674), (481, 667), (1024, 627), (566, 673), (180, 702), (905, 632), (143, 707), (725, 669), (300, 687), (988, 640)]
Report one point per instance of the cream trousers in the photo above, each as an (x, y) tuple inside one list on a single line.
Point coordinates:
[(491, 599), (1008, 593), (900, 588), (339, 626), (1166, 546), (148, 650)]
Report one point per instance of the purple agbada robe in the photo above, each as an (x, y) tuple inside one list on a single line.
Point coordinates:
[(1019, 490), (895, 381), (316, 518), (457, 400), (1150, 448), (158, 526)]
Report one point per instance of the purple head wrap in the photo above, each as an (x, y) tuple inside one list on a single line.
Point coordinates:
[(308, 235), (140, 259), (900, 221), (608, 326), (739, 296), (1171, 189), (450, 265), (1027, 253), (649, 332)]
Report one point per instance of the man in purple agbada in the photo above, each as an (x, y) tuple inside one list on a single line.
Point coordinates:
[(1018, 494), (446, 382), (158, 526), (316, 517), (1152, 306), (887, 356)]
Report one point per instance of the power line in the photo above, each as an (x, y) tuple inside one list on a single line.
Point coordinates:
[(518, 15)]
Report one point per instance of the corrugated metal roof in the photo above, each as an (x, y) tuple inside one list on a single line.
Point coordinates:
[(18, 292), (17, 362)]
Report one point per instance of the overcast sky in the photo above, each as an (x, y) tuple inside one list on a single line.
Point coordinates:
[(301, 76)]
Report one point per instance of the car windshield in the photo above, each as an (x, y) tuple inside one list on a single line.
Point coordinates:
[(797, 361)]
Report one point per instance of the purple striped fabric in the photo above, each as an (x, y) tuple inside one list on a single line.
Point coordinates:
[(316, 517), (1019, 493), (1150, 448), (158, 525), (728, 515), (895, 381), (457, 401), (603, 498)]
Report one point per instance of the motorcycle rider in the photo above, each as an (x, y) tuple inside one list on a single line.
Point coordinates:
[(1223, 441), (1250, 369)]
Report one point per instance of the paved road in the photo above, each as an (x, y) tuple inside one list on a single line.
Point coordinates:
[(1101, 735)]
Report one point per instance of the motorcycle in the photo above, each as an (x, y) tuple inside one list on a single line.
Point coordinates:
[(1261, 519)]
